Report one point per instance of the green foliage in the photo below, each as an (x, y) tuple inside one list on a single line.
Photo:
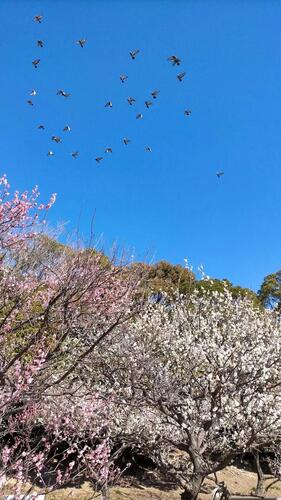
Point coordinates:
[(50, 244), (55, 249), (104, 261), (171, 279), (164, 277), (270, 291), (216, 285)]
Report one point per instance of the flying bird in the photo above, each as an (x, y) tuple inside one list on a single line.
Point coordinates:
[(108, 104), (148, 104), (75, 154), (63, 93), (155, 93), (187, 112), (131, 100), (38, 19), (36, 62), (181, 76), (148, 149), (56, 138), (139, 116), (33, 92), (41, 127), (99, 159), (126, 140), (123, 78), (50, 153), (40, 43), (81, 42), (219, 174), (30, 102), (66, 128), (134, 53), (174, 60), (108, 150)]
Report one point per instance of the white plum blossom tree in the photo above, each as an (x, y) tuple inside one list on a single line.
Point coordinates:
[(198, 379)]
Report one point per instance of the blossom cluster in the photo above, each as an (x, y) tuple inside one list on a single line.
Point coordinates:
[(200, 374), (57, 304)]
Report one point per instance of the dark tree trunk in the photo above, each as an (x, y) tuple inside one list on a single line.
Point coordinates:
[(192, 490), (187, 495), (260, 488), (105, 493)]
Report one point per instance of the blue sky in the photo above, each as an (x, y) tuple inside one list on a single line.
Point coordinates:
[(167, 204)]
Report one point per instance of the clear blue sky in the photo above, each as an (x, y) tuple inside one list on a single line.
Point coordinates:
[(169, 203)]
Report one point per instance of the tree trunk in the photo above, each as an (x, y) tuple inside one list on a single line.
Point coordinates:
[(193, 488), (105, 493), (260, 488)]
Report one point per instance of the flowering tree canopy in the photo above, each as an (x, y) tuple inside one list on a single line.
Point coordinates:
[(56, 307), (201, 376), (194, 379), (19, 214)]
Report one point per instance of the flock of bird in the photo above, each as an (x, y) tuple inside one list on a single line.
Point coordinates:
[(173, 59)]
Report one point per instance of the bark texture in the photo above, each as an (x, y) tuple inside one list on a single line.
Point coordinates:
[(192, 490), (260, 488)]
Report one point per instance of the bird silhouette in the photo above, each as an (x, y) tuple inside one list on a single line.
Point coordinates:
[(181, 76), (219, 174), (155, 93), (56, 139), (36, 62), (41, 127), (63, 93), (126, 140), (187, 112), (108, 104), (30, 102), (148, 104), (123, 78), (81, 42), (38, 19), (148, 149), (40, 43), (50, 153), (108, 150), (75, 154), (134, 53), (139, 116), (131, 100), (33, 92), (99, 159), (66, 128), (174, 60)]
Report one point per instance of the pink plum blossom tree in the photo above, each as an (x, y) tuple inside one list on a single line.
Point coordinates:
[(56, 307), (19, 214)]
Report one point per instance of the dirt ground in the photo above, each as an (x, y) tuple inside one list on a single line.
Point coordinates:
[(238, 481)]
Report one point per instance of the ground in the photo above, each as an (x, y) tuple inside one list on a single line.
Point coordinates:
[(238, 481)]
